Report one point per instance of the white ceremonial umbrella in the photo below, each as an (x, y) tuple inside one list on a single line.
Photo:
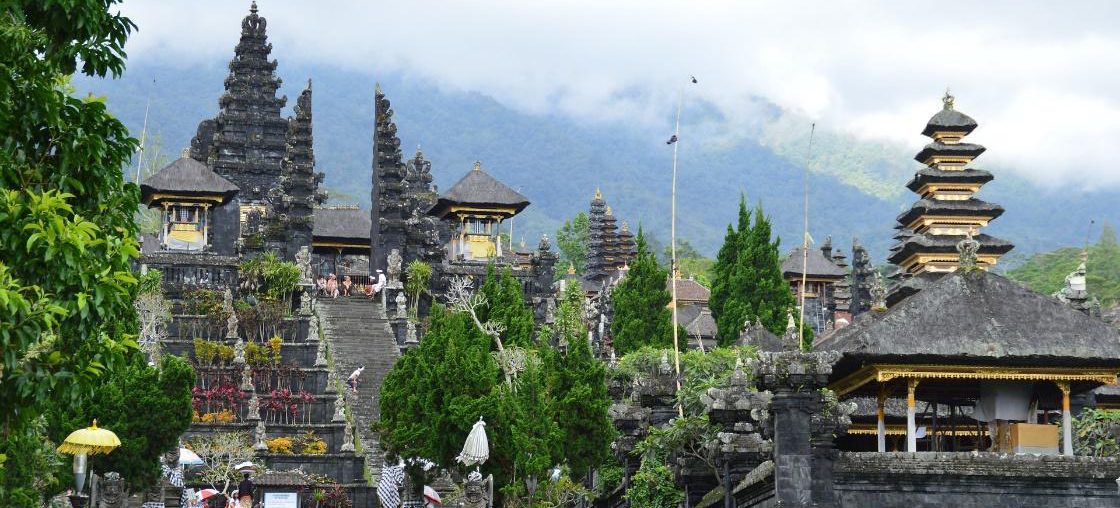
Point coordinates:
[(477, 449), (189, 458), (243, 466)]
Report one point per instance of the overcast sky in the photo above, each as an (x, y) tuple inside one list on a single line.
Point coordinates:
[(1041, 78)]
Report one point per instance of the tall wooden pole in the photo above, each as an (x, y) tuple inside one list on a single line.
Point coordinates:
[(805, 242), (673, 247)]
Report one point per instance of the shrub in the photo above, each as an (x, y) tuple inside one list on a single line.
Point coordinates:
[(223, 416), (280, 445), (310, 444)]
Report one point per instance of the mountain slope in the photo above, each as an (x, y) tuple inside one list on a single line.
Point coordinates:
[(558, 162), (1046, 272)]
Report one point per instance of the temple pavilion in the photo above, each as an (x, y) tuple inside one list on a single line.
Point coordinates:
[(191, 199), (475, 208), (812, 274)]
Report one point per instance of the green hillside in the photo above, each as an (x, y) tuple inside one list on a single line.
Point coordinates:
[(1046, 272)]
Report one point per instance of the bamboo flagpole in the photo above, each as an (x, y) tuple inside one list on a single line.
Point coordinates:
[(675, 140), (805, 243)]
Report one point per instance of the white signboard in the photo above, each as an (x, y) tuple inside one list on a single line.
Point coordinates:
[(281, 500)]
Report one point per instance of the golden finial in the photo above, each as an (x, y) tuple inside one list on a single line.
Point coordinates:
[(598, 193), (609, 211), (478, 165), (948, 99), (571, 268), (625, 226)]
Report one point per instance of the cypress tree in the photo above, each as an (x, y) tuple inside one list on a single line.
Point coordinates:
[(579, 386), (641, 313), (505, 304), (749, 282)]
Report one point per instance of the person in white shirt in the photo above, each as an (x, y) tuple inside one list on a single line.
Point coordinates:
[(380, 284), (352, 381)]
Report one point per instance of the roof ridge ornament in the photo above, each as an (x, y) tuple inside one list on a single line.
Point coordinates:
[(948, 99), (477, 166), (968, 249), (598, 193)]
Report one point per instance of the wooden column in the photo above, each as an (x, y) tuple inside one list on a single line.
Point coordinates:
[(882, 419), (911, 426), (1067, 427)]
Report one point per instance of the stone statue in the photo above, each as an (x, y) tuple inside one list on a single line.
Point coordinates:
[(393, 271), (478, 493), (339, 412), (231, 321), (303, 259), (402, 305), (347, 439), (321, 354), (111, 490), (968, 249), (239, 352), (254, 408), (410, 339), (246, 378), (305, 302), (260, 437), (878, 293)]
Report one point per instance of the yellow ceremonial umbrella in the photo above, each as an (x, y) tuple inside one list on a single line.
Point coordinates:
[(89, 441), (82, 442)]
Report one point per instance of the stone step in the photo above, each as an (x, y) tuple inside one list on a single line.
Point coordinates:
[(359, 334)]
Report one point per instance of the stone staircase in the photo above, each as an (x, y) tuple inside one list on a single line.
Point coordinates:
[(358, 333)]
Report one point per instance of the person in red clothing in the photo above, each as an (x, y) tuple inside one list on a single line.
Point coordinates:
[(245, 491)]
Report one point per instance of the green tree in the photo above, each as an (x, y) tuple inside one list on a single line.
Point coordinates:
[(692, 264), (1046, 272), (641, 313), (505, 305), (67, 234), (580, 390), (748, 278), (148, 408), (571, 239), (417, 276)]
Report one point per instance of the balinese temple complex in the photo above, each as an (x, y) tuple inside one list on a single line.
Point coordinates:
[(952, 387)]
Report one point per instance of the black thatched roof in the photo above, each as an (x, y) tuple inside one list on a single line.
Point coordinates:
[(187, 177), (477, 187), (341, 224), (949, 120), (697, 320), (976, 318), (945, 244), (970, 207), (957, 149), (931, 175), (816, 265), (688, 290)]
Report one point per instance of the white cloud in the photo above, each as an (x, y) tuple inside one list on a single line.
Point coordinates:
[(1040, 77)]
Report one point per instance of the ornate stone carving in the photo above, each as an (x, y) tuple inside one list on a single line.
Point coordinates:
[(968, 249), (478, 492), (305, 302), (239, 352), (321, 354), (246, 378), (339, 411), (111, 488), (410, 339), (878, 293)]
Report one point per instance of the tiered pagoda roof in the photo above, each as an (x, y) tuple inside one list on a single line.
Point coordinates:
[(947, 210), (478, 189), (608, 249), (186, 178)]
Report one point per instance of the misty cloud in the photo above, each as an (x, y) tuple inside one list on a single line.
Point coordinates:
[(1040, 77)]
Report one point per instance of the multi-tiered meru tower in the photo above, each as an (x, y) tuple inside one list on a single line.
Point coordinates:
[(947, 211)]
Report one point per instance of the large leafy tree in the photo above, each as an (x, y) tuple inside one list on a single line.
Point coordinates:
[(505, 305), (640, 301), (748, 278), (571, 239), (67, 233)]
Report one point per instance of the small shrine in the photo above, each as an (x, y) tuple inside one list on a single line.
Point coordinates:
[(191, 199), (475, 208)]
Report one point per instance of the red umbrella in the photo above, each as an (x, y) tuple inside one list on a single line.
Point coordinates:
[(207, 493), (431, 495)]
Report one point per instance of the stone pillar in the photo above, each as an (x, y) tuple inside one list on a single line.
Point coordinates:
[(911, 408), (795, 379), (1067, 419)]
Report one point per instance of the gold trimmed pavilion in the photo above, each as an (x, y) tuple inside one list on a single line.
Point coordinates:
[(475, 208), (186, 192), (976, 339)]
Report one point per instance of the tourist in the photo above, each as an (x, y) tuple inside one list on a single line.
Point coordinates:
[(346, 283), (321, 286), (245, 490), (368, 290), (332, 286), (352, 381)]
